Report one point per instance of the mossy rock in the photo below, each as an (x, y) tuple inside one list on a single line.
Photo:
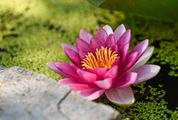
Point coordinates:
[(31, 37)]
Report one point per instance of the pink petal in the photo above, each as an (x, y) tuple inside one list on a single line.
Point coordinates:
[(101, 35), (119, 31), (68, 81), (67, 70), (144, 58), (87, 76), (80, 87), (116, 62), (123, 52), (112, 73), (108, 29), (130, 60), (82, 54), (126, 80), (123, 45), (140, 48), (92, 94), (83, 47), (146, 72), (110, 42), (124, 39), (105, 84), (99, 71), (135, 54), (76, 85), (53, 67), (72, 54), (94, 43), (84, 35), (63, 45), (121, 96)]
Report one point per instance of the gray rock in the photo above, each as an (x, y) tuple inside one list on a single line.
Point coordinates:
[(26, 95), (18, 73), (2, 68), (77, 107)]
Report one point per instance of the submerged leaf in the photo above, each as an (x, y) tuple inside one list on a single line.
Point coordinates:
[(161, 9)]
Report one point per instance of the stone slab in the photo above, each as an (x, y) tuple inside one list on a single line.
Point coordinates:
[(2, 68), (76, 107), (26, 95)]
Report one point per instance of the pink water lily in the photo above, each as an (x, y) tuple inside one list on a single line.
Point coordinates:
[(103, 64)]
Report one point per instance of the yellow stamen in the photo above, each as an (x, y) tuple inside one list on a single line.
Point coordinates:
[(103, 57)]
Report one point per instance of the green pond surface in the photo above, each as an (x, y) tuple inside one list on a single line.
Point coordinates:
[(31, 32)]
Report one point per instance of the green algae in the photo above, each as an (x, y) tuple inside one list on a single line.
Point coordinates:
[(149, 105), (30, 38)]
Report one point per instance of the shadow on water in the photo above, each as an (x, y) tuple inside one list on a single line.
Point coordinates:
[(170, 85)]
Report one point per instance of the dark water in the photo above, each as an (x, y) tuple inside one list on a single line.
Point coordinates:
[(170, 85)]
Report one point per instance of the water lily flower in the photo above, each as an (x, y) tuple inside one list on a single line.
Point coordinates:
[(103, 64)]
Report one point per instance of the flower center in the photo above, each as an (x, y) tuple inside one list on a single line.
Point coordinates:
[(103, 58)]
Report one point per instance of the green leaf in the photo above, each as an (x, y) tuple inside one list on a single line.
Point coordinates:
[(162, 9)]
